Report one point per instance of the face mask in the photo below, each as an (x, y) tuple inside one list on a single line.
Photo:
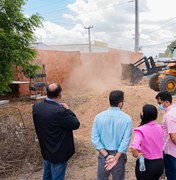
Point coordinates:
[(141, 116), (161, 107)]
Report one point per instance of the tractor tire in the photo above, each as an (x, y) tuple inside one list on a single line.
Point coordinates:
[(168, 83), (153, 84)]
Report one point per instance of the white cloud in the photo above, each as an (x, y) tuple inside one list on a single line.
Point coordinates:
[(54, 34), (114, 23), (162, 9)]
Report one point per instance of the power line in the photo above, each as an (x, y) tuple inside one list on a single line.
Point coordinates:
[(163, 26), (157, 44), (111, 5), (100, 9), (122, 3), (51, 12), (61, 22), (49, 4)]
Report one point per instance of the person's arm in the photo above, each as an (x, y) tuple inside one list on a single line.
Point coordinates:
[(111, 161), (69, 120), (103, 152), (95, 137), (126, 138), (135, 152), (65, 105), (136, 143), (171, 125)]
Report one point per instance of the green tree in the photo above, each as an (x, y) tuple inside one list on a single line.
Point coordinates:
[(16, 36), (169, 51)]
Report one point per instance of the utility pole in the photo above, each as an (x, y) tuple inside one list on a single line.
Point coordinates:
[(88, 28), (136, 26)]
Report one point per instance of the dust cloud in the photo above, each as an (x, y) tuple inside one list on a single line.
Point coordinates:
[(97, 74)]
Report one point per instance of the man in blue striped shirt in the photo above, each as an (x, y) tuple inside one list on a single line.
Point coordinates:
[(111, 134)]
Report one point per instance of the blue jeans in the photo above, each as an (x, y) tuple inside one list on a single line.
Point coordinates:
[(170, 167), (54, 171)]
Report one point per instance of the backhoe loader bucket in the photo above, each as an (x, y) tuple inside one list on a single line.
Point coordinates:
[(131, 73)]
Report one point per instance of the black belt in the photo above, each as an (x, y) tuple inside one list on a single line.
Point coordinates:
[(112, 152)]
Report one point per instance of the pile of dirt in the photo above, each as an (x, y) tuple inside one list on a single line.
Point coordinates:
[(87, 104)]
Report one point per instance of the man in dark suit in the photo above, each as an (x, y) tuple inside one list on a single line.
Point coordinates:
[(54, 123)]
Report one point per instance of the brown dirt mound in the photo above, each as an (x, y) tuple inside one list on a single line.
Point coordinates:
[(86, 104)]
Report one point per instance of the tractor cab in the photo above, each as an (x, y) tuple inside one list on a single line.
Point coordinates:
[(174, 54)]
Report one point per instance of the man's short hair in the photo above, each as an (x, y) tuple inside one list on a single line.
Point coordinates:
[(53, 93), (164, 96), (116, 97)]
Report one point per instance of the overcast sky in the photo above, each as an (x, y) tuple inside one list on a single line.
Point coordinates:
[(113, 22)]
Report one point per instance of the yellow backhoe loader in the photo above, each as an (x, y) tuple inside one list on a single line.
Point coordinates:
[(163, 77)]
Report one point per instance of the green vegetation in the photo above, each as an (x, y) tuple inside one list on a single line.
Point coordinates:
[(169, 51), (16, 36)]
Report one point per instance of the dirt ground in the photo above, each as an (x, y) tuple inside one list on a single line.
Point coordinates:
[(86, 104)]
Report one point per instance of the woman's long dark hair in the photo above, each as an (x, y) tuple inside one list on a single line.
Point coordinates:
[(150, 113)]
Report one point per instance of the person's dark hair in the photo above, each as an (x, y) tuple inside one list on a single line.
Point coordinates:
[(116, 97), (164, 96), (150, 113), (53, 93)]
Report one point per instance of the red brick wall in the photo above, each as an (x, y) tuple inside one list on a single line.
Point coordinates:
[(99, 70), (60, 64)]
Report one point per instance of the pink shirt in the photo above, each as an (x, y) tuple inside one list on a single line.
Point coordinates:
[(148, 139), (169, 126)]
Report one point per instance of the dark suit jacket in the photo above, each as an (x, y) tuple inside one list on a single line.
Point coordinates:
[(54, 124)]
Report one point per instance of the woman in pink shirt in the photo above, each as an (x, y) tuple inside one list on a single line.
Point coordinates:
[(148, 142)]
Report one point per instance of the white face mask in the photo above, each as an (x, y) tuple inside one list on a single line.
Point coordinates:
[(161, 107)]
